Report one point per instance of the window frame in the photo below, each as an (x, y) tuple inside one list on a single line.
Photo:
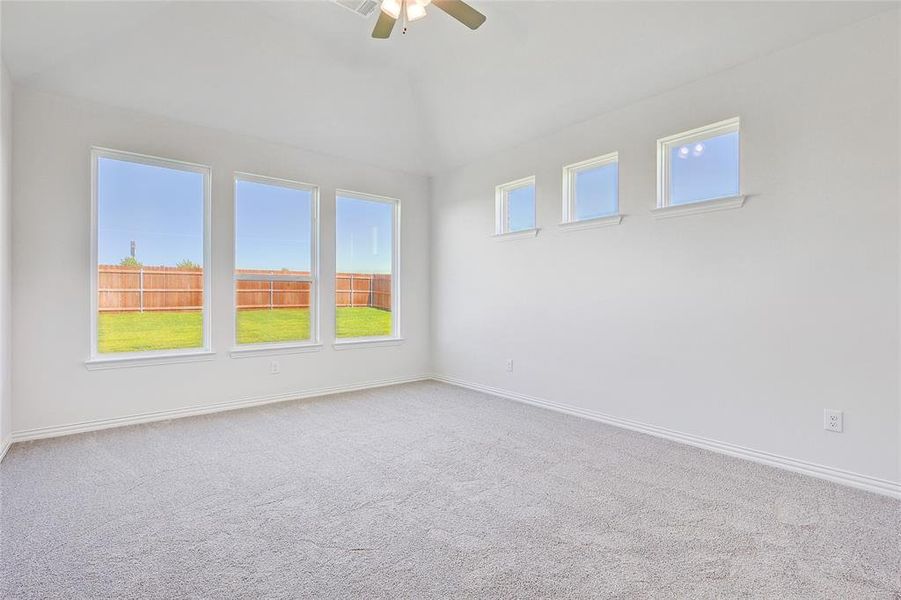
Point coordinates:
[(569, 193), (264, 348), (382, 340), (665, 144), (98, 360), (502, 213)]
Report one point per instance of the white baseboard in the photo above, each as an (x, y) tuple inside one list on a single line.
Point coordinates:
[(856, 480), (190, 411), (864, 482)]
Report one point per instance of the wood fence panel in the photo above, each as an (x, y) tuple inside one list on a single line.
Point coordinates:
[(361, 288), (293, 294), (119, 301), (166, 288), (342, 289), (118, 288), (381, 292), (284, 294), (252, 294), (122, 289), (149, 288)]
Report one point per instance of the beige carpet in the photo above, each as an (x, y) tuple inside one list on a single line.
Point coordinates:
[(425, 490)]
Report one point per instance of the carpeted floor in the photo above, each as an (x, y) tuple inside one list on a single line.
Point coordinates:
[(425, 490)]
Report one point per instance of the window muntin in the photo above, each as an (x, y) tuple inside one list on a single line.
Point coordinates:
[(515, 206), (150, 281), (699, 165), (276, 270), (366, 261), (591, 189)]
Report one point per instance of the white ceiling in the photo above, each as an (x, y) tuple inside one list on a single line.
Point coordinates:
[(308, 74)]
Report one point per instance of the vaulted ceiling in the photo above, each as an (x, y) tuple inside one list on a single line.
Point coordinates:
[(308, 73)]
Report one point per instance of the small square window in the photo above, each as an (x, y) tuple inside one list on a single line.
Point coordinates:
[(515, 206), (591, 189), (699, 165)]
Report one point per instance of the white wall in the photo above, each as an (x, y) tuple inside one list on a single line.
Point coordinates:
[(51, 238), (740, 326), (5, 255)]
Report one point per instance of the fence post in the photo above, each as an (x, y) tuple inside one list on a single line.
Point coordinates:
[(351, 290), (142, 289), (270, 294)]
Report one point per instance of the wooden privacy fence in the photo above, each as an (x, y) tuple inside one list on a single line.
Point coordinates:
[(131, 289), (360, 289), (149, 288)]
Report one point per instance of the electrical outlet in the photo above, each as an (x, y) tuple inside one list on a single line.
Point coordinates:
[(832, 420), (509, 365), (274, 368)]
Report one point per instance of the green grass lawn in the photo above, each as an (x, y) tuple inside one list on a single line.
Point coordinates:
[(136, 332), (362, 322), (258, 326)]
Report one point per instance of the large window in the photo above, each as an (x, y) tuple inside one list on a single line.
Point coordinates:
[(699, 165), (515, 206), (590, 190), (275, 262), (150, 281), (366, 249)]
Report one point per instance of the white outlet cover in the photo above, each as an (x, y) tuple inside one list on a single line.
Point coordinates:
[(833, 420)]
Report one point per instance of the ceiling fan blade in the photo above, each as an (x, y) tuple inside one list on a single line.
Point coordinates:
[(461, 11), (383, 26)]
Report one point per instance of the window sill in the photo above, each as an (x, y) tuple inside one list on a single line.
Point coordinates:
[(593, 223), (693, 208), (273, 350), (350, 344), (515, 235), (126, 362)]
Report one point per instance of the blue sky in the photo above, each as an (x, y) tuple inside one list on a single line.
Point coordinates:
[(363, 236), (521, 208), (596, 191), (704, 170), (272, 227), (160, 209)]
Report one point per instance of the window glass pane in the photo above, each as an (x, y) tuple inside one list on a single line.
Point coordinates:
[(596, 192), (521, 208), (150, 257), (273, 262), (704, 169), (364, 247)]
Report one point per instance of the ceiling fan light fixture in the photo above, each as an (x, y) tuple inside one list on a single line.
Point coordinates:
[(408, 11), (391, 8), (415, 10)]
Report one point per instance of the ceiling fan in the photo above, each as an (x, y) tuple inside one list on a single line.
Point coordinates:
[(413, 10)]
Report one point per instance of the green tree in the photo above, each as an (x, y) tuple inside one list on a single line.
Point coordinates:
[(130, 261), (187, 265)]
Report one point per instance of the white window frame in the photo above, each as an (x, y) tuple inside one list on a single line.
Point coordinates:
[(502, 214), (570, 222), (99, 360), (664, 146), (395, 337), (268, 348)]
